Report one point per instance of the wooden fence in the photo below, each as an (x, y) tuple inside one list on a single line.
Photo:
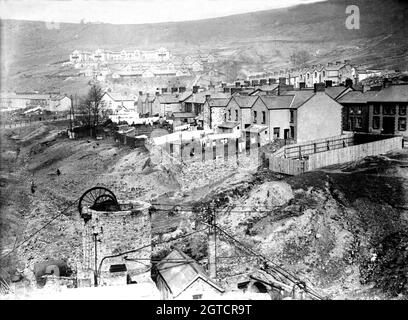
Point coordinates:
[(353, 153), (340, 155)]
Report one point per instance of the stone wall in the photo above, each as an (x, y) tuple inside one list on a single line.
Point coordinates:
[(117, 232)]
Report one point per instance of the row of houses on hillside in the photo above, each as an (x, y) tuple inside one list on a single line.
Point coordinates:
[(101, 55), (300, 115), (335, 72), (49, 102)]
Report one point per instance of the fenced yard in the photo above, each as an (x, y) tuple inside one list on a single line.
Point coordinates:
[(309, 156)]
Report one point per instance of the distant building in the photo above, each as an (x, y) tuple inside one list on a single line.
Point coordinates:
[(117, 102)]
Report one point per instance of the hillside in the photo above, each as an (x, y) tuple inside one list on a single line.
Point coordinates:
[(260, 38)]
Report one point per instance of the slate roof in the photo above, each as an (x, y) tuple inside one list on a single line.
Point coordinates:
[(218, 102), (394, 93), (277, 102), (334, 92), (357, 97), (199, 97), (180, 275), (245, 101), (168, 98), (119, 97), (300, 97)]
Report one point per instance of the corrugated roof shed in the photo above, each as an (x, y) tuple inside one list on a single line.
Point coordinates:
[(179, 275), (228, 125)]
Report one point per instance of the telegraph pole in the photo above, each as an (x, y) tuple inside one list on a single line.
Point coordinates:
[(212, 241)]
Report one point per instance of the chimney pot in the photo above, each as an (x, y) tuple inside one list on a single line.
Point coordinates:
[(319, 87)]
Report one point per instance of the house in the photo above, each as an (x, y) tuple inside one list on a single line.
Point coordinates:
[(148, 104), (300, 115), (181, 277), (169, 103), (313, 115), (239, 110), (383, 111), (197, 66), (195, 102), (59, 103), (213, 112), (338, 72), (116, 102)]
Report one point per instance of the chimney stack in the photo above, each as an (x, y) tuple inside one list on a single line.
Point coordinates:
[(182, 89), (349, 83), (164, 90), (319, 87), (338, 62), (223, 84), (174, 89), (195, 89), (238, 84), (347, 61), (207, 97), (329, 64)]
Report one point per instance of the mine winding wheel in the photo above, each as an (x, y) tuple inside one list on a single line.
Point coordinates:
[(98, 198)]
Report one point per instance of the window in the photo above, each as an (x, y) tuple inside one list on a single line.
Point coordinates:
[(225, 117), (197, 296), (376, 122), (117, 268), (402, 124), (263, 117), (388, 110), (351, 110), (276, 133), (308, 75), (402, 110), (358, 110), (292, 115), (255, 114), (376, 109), (229, 114), (236, 115), (359, 122), (315, 74), (324, 73)]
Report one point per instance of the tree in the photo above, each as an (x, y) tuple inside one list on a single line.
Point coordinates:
[(93, 106), (300, 58)]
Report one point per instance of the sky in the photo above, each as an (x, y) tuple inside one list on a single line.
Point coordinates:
[(133, 11)]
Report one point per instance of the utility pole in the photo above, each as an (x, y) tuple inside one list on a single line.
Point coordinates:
[(70, 114), (212, 242), (96, 260)]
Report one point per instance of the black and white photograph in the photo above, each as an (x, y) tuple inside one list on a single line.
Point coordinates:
[(210, 150)]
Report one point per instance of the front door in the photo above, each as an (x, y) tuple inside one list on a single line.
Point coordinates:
[(388, 125), (286, 134)]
